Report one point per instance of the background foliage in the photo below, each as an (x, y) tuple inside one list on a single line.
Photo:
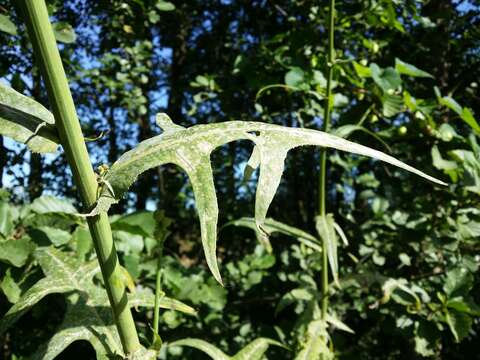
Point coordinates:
[(408, 75)]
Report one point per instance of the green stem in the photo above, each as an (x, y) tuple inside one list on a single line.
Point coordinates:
[(71, 137), (323, 154), (158, 290)]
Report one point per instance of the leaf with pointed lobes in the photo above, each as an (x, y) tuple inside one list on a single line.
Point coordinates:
[(253, 351), (190, 148), (88, 315)]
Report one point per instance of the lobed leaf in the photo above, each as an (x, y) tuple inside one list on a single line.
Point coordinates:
[(253, 351), (209, 349), (88, 314), (27, 121), (190, 148)]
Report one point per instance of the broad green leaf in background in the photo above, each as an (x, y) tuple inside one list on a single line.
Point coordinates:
[(54, 236), (387, 79), (295, 77), (409, 69), (7, 26), (464, 113), (64, 32), (27, 121), (10, 288), (392, 104), (295, 295), (458, 282), (140, 223), (51, 204), (88, 315), (190, 148), (346, 130), (165, 6), (440, 163), (16, 252), (253, 351), (449, 167), (362, 71), (459, 324)]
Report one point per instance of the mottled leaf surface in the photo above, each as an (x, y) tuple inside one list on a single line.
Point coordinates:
[(190, 148), (326, 229), (316, 342), (253, 351), (27, 121), (88, 315)]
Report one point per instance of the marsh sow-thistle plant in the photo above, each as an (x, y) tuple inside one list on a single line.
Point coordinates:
[(190, 148)]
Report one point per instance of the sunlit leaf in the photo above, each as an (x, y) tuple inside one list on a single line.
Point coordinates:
[(165, 6), (464, 113), (51, 204), (362, 71), (64, 32), (16, 252), (295, 77), (253, 351), (387, 79), (27, 121), (409, 69), (316, 342), (6, 219), (7, 26), (191, 148), (10, 288), (332, 319)]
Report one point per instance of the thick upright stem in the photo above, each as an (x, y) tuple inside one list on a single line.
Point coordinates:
[(48, 56), (323, 154)]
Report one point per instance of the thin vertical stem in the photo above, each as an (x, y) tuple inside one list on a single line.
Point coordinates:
[(323, 154), (158, 290), (70, 133)]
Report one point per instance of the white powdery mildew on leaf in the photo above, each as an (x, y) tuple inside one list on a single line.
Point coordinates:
[(253, 351), (326, 229), (27, 121), (190, 148), (88, 315), (316, 342), (256, 349)]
